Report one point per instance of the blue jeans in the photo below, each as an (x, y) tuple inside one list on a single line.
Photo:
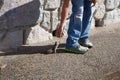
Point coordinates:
[(80, 22)]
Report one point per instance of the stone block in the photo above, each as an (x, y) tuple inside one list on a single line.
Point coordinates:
[(112, 17), (117, 3), (54, 20), (46, 23), (110, 4), (36, 35), (52, 4), (99, 11)]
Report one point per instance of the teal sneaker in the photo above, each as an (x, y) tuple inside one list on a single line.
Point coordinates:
[(78, 50), (86, 43)]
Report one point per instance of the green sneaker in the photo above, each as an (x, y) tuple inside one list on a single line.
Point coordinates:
[(78, 50), (86, 43)]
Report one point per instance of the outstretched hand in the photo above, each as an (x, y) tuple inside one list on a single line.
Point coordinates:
[(59, 32)]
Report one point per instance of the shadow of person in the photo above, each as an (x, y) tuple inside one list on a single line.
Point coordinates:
[(29, 50)]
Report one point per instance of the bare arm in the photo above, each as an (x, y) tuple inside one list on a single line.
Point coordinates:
[(64, 14)]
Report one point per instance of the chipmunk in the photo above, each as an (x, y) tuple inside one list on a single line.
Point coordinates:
[(54, 49)]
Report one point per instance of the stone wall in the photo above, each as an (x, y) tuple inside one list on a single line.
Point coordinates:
[(30, 21)]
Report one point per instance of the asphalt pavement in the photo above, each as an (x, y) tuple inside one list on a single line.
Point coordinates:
[(102, 62)]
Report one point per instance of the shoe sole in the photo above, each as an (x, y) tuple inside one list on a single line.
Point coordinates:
[(73, 51)]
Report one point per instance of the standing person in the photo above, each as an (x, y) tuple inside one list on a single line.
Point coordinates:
[(79, 26)]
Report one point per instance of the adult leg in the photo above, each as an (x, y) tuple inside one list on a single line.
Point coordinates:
[(86, 24), (75, 27)]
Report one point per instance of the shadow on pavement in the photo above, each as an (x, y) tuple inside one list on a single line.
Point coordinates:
[(34, 50)]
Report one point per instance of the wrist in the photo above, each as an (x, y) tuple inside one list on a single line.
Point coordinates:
[(61, 27)]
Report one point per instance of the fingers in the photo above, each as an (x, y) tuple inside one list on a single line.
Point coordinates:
[(59, 33)]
